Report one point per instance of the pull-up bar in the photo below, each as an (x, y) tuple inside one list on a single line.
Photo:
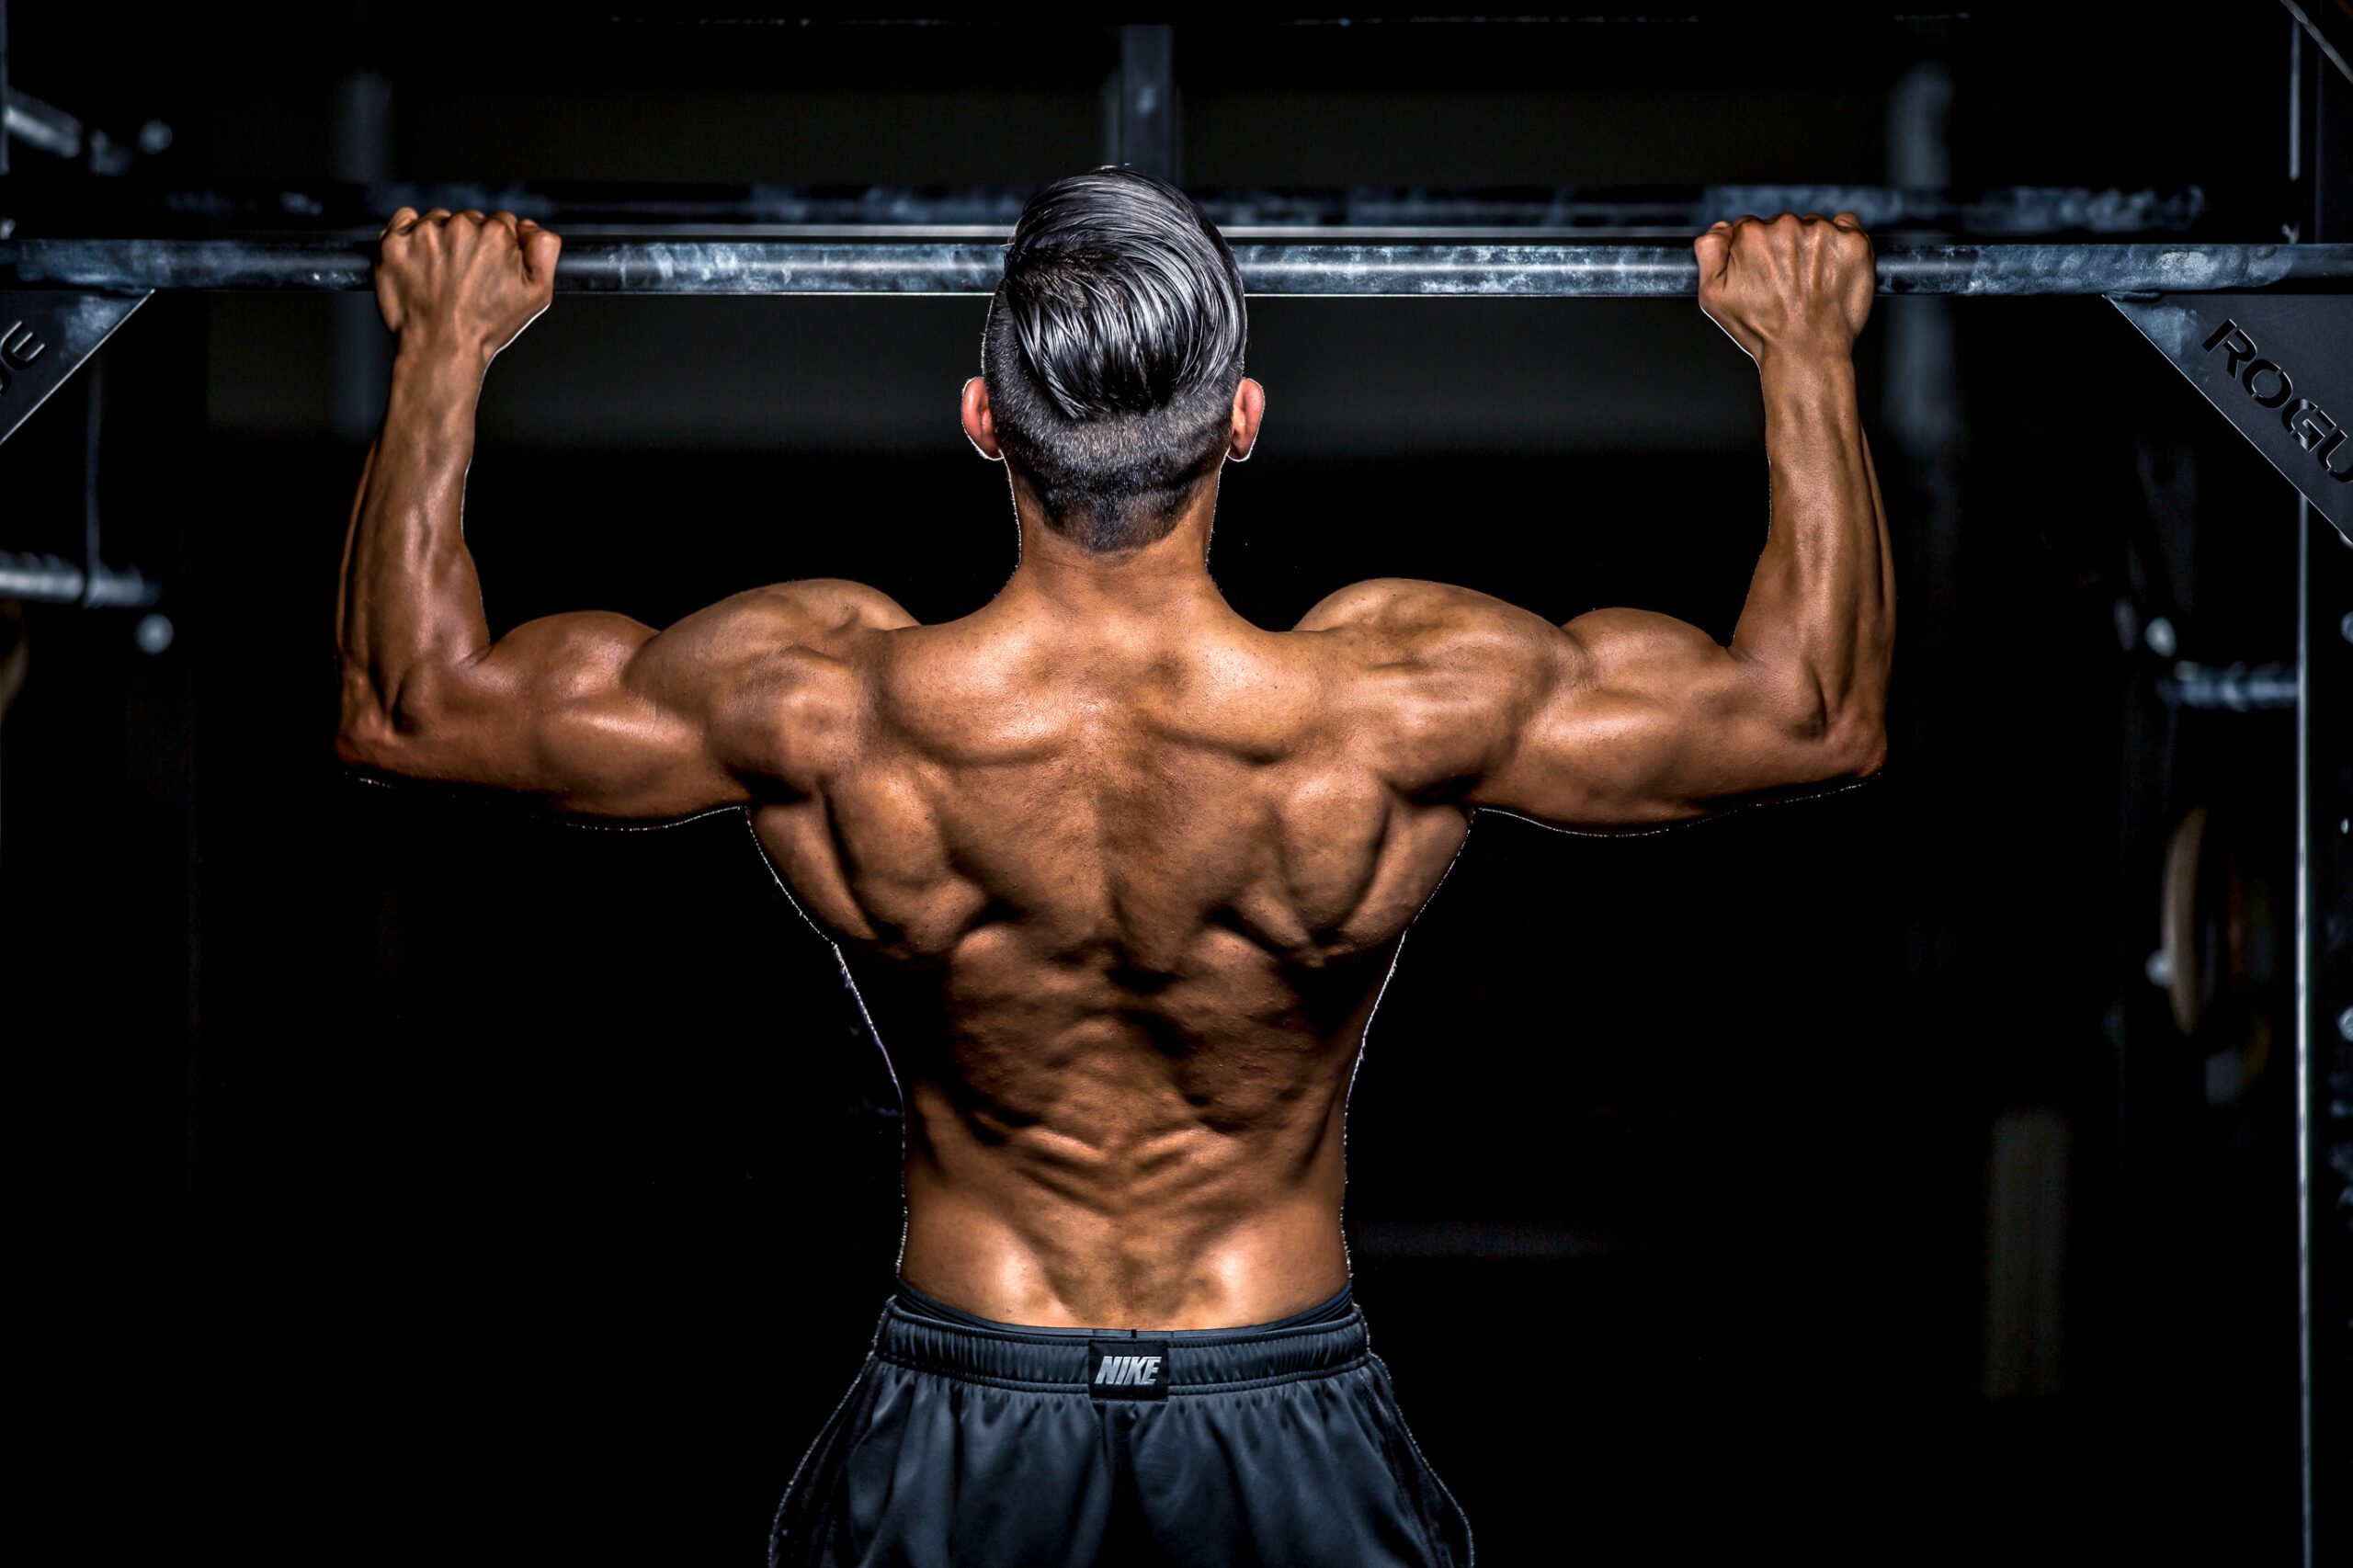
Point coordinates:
[(964, 267), (2250, 325)]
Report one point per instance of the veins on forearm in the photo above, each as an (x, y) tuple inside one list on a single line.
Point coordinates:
[(410, 595), (1818, 603)]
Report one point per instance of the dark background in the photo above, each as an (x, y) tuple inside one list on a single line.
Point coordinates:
[(407, 1177)]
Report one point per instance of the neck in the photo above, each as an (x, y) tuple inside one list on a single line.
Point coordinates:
[(1170, 574)]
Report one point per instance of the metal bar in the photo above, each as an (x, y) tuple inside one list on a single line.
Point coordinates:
[(92, 426), (779, 266), (2324, 1037), (2322, 21), (2323, 1025), (60, 206), (2230, 689), (37, 124), (52, 579), (2307, 1052), (1140, 119), (44, 125)]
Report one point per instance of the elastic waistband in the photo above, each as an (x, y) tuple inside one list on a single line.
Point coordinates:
[(1200, 1361)]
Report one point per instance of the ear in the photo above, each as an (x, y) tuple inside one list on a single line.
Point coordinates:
[(980, 421), (1249, 408)]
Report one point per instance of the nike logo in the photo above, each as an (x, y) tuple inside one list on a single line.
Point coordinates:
[(1127, 1371)]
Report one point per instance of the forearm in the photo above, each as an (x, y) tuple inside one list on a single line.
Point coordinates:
[(410, 619), (1818, 626)]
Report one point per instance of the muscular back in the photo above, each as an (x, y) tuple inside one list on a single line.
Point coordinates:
[(1120, 898), (1118, 874)]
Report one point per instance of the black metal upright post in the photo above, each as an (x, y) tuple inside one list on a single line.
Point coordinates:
[(2322, 159), (4, 90), (360, 352), (1140, 119), (155, 407)]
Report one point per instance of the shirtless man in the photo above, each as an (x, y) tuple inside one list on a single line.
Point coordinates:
[(1118, 874)]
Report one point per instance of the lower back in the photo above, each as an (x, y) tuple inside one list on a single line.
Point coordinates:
[(1118, 1222), (1093, 1155)]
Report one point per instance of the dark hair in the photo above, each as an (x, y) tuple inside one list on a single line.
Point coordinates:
[(1113, 349)]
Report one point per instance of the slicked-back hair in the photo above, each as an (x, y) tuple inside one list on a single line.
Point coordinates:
[(1113, 349)]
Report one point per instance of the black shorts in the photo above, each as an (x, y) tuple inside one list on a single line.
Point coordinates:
[(988, 1445)]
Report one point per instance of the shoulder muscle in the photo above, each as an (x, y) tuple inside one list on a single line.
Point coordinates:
[(773, 670), (822, 613), (1450, 675)]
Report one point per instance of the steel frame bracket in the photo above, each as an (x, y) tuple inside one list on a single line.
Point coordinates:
[(2331, 27), (46, 335), (2275, 366)]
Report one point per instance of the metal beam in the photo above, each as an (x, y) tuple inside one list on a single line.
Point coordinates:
[(49, 579), (1139, 118), (2331, 27), (2323, 1036), (4, 92), (25, 119), (61, 206), (44, 125), (957, 267), (2230, 688)]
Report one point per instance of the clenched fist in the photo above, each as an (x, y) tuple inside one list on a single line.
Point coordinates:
[(464, 282), (1793, 284)]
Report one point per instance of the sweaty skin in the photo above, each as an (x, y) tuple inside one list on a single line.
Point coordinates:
[(1118, 874)]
